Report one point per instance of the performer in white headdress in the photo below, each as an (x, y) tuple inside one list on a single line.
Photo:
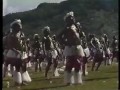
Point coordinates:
[(73, 50), (115, 48), (13, 55), (36, 51), (107, 50), (25, 75), (49, 51)]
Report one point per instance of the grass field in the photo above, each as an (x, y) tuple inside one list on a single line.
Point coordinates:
[(104, 79)]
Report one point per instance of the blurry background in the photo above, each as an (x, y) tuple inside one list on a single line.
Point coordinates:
[(95, 16), (11, 6)]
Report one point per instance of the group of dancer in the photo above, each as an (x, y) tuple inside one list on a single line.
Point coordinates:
[(71, 46)]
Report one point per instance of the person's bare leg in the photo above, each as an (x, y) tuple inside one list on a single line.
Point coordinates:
[(48, 66), (93, 65), (98, 65)]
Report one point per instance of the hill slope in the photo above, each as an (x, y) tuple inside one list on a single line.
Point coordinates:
[(96, 16)]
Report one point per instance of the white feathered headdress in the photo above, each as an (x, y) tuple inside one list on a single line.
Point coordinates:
[(36, 35), (47, 27), (78, 23), (71, 13), (17, 21), (28, 39)]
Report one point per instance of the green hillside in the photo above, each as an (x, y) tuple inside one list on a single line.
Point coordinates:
[(96, 16)]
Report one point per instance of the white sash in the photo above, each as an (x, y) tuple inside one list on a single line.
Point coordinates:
[(30, 54), (73, 50), (87, 52), (108, 51), (54, 53), (24, 55)]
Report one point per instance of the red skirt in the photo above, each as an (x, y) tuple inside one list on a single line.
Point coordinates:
[(73, 62)]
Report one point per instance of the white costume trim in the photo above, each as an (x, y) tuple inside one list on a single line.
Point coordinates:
[(76, 77), (26, 77), (108, 51), (24, 55), (18, 21), (54, 54), (56, 73), (69, 14), (17, 77), (74, 50), (67, 77), (29, 64), (87, 52)]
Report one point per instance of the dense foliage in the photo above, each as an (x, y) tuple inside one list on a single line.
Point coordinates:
[(96, 16)]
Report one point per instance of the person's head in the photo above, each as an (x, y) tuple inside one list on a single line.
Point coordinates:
[(79, 25), (101, 39), (28, 41), (16, 26), (36, 37), (69, 18), (85, 45), (22, 38), (89, 36), (83, 35), (114, 37), (92, 35), (54, 37), (46, 31), (105, 37)]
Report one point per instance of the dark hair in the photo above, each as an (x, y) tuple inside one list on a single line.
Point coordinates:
[(68, 20), (114, 37), (46, 32)]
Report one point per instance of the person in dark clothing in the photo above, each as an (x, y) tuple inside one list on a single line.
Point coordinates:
[(49, 51)]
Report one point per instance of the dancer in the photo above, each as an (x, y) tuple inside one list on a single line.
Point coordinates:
[(73, 50)]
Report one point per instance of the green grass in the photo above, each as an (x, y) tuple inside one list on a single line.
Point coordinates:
[(105, 79)]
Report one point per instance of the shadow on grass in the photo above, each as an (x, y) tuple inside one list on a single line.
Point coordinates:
[(7, 79), (95, 79), (112, 72), (44, 79), (45, 88)]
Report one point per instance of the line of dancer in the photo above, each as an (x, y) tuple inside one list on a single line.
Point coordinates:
[(70, 51)]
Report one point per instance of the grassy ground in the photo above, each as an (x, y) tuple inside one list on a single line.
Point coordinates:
[(105, 79)]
